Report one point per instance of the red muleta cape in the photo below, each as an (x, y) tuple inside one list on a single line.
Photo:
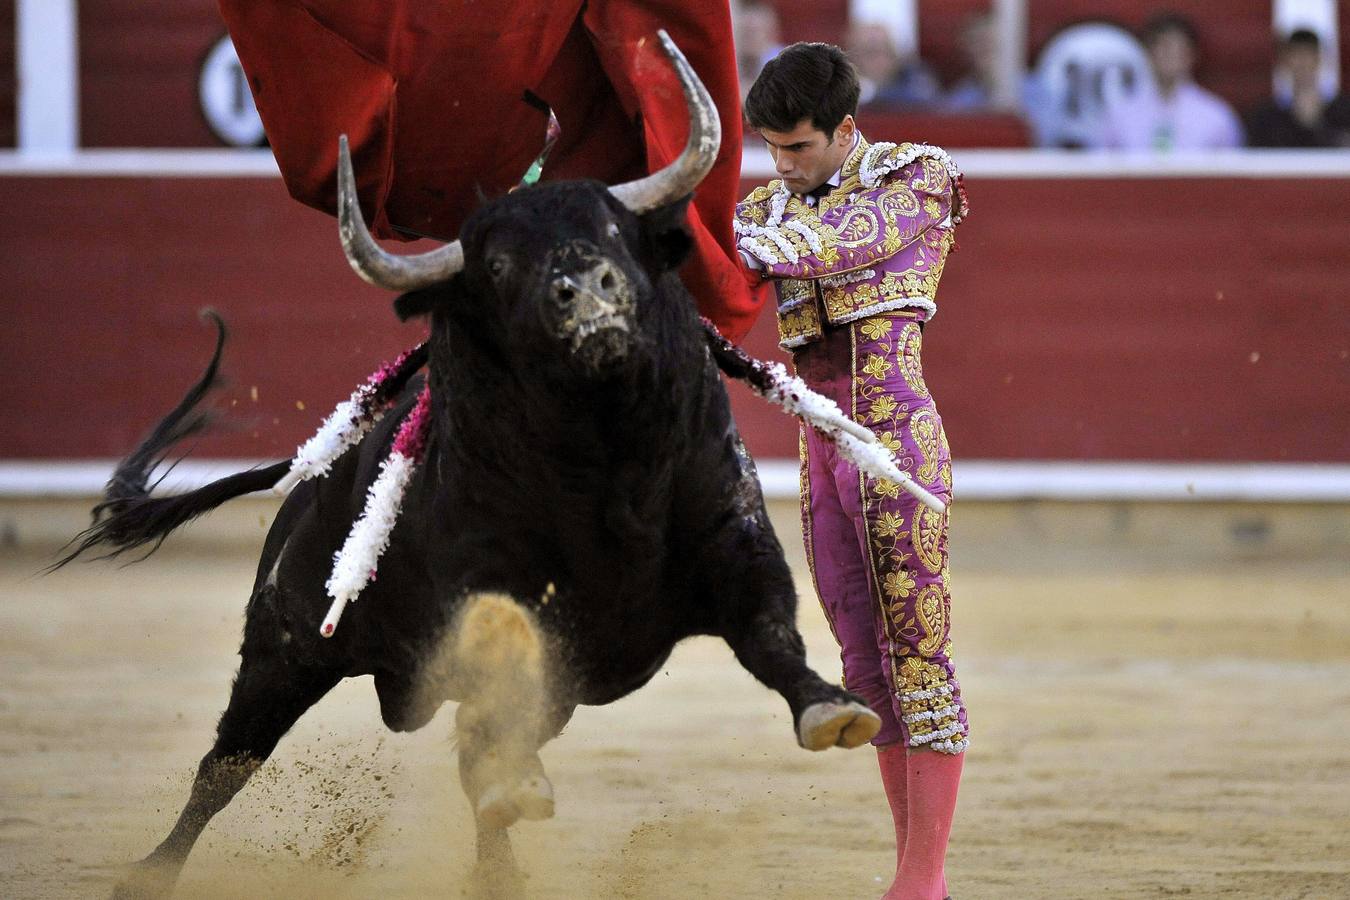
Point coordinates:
[(434, 97)]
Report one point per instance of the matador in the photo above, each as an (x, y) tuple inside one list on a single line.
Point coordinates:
[(854, 236)]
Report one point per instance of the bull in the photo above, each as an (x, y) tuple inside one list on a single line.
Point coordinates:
[(585, 503)]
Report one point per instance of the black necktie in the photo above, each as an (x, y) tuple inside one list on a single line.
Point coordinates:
[(820, 190)]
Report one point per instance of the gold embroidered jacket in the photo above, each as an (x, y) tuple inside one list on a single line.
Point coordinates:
[(875, 243)]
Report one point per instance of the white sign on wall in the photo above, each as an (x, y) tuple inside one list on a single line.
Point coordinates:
[(1082, 72), (227, 102)]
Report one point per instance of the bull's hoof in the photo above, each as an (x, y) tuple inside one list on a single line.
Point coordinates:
[(146, 881), (530, 798), (534, 797), (825, 725), (493, 881)]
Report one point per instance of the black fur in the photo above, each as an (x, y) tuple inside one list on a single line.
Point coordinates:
[(605, 490)]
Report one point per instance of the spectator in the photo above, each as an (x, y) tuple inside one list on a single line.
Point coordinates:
[(887, 76), (977, 88), (758, 38), (1308, 117), (1175, 113), (975, 91)]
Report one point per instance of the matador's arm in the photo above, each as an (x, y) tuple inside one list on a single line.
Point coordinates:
[(787, 239)]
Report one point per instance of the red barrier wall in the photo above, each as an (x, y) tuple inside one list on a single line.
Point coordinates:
[(1164, 319), (139, 65)]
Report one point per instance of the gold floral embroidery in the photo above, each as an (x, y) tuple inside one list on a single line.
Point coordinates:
[(926, 534), (932, 611), (909, 283), (945, 470), (840, 301), (899, 584), (910, 344), (890, 525), (930, 706), (798, 324), (892, 241), (884, 487), (857, 226), (877, 366), (923, 429), (889, 440), (763, 193), (916, 675), (792, 291), (898, 202), (883, 408), (876, 328)]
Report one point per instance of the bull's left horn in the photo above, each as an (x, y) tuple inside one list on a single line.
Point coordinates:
[(700, 151), (371, 261)]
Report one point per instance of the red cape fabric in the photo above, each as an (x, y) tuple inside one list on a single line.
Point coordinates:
[(433, 99)]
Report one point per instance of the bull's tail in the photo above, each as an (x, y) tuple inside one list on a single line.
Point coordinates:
[(128, 517)]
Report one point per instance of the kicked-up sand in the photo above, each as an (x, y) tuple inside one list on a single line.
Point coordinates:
[(1159, 699)]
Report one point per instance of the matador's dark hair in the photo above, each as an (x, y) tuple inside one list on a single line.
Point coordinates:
[(806, 81)]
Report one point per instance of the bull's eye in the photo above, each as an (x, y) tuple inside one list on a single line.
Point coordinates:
[(496, 266), (613, 229)]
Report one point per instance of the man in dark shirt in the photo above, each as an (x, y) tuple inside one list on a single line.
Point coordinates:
[(1306, 117)]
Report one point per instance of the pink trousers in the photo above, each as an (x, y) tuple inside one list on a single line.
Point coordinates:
[(878, 557)]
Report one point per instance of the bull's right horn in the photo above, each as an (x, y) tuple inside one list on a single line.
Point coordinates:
[(371, 261), (700, 152)]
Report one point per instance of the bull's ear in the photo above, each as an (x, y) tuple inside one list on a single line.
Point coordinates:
[(423, 301), (665, 234)]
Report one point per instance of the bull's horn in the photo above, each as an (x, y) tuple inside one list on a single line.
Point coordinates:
[(700, 151), (371, 261)]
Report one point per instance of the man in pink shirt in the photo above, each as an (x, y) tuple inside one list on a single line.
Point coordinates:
[(1174, 113)]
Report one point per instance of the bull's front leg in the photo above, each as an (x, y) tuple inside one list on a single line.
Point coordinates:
[(755, 591), (497, 656)]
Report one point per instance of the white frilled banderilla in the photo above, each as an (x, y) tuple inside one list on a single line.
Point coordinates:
[(356, 563)]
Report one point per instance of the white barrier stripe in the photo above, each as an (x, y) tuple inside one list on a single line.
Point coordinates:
[(204, 163), (756, 165), (973, 480), (1142, 481)]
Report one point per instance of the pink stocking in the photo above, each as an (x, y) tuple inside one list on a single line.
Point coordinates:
[(891, 759), (931, 781)]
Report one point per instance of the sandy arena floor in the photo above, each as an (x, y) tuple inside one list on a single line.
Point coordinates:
[(1160, 701)]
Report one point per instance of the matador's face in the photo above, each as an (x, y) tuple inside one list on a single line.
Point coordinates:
[(806, 156)]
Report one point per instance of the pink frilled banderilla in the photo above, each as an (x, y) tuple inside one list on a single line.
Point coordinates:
[(355, 565), (352, 418)]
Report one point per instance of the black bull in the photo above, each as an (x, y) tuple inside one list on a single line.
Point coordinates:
[(584, 504)]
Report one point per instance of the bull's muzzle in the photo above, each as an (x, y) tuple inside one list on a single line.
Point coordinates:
[(594, 307)]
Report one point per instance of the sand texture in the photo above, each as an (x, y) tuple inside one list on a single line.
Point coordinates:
[(1160, 705)]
